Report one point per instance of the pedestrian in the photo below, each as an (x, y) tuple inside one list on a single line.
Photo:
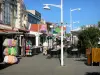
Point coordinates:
[(45, 48)]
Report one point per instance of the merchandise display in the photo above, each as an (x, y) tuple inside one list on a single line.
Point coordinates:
[(10, 51), (29, 48)]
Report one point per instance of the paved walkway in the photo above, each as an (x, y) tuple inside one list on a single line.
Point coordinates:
[(39, 65)]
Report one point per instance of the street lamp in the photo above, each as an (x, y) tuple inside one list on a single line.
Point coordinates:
[(61, 7), (71, 23), (74, 23)]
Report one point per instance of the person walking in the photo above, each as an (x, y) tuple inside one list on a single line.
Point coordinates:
[(45, 48)]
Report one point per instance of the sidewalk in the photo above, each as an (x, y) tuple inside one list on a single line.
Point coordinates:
[(39, 65)]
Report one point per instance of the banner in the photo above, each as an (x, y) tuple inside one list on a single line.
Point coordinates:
[(43, 28)]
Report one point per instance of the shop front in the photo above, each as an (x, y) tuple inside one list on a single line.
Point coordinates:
[(30, 43), (22, 42), (8, 40)]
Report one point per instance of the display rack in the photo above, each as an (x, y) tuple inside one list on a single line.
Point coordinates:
[(29, 48)]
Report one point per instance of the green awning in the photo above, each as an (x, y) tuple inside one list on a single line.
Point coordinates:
[(57, 30)]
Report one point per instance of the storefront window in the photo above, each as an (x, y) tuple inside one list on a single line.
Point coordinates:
[(9, 11)]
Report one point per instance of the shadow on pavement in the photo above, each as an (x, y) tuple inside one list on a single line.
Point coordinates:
[(85, 62), (82, 60), (92, 73), (5, 65)]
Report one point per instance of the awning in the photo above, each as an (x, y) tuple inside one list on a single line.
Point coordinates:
[(10, 33), (29, 35), (23, 30)]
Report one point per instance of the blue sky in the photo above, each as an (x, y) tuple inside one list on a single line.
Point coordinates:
[(89, 14)]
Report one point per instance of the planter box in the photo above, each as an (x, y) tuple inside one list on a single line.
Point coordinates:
[(89, 56), (95, 54)]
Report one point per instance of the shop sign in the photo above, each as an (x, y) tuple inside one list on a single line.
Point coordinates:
[(43, 28)]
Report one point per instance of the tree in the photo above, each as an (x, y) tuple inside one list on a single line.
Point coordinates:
[(99, 24), (68, 34), (88, 38)]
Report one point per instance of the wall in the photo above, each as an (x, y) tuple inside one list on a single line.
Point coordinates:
[(36, 13), (42, 21), (32, 19), (22, 19), (18, 20), (35, 16), (1, 21)]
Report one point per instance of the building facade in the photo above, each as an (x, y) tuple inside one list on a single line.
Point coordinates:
[(8, 11), (1, 11), (34, 17), (22, 20), (42, 21)]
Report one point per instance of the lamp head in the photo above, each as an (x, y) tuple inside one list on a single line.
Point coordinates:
[(46, 7), (79, 8)]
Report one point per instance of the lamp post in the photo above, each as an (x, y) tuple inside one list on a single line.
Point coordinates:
[(71, 23), (61, 7)]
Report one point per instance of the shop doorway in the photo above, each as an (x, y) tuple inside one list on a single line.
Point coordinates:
[(1, 48)]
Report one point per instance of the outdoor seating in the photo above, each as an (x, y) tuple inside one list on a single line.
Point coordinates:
[(36, 50), (53, 52)]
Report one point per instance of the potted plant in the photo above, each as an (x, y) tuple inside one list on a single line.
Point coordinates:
[(88, 38)]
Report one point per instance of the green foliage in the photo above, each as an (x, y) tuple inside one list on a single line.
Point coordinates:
[(89, 37), (83, 27), (99, 24), (68, 34)]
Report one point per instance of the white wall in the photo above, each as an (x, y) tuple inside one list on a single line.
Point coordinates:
[(22, 18), (75, 40), (18, 20), (1, 13), (37, 37)]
